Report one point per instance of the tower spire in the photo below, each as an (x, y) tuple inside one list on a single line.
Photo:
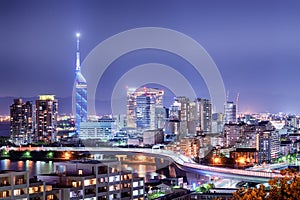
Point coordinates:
[(77, 53)]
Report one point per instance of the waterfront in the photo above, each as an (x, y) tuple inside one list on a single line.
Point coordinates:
[(34, 167), (45, 167)]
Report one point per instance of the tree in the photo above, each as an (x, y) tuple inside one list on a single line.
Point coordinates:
[(287, 187)]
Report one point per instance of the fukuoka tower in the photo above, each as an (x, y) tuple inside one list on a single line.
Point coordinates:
[(81, 92)]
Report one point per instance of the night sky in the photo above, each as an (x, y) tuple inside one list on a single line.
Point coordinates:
[(255, 45)]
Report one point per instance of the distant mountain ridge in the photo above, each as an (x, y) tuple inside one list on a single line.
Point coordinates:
[(64, 104)]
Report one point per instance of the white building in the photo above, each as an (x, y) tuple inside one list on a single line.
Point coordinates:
[(103, 129)]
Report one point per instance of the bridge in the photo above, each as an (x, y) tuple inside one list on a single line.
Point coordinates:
[(182, 162)]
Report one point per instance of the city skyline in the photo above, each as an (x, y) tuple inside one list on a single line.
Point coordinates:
[(253, 44)]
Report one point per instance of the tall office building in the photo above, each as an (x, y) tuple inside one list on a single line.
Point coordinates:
[(183, 107), (21, 122), (144, 112), (200, 116), (144, 107), (230, 111), (203, 115), (46, 118), (81, 92)]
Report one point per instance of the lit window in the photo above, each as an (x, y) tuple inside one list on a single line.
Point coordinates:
[(74, 184), (135, 192), (17, 192), (135, 184), (80, 172)]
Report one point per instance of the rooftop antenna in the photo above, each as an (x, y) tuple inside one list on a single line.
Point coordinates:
[(237, 98), (227, 95), (77, 53)]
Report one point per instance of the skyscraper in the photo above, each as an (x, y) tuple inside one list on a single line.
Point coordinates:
[(46, 118), (144, 112), (230, 111), (21, 122), (144, 107), (183, 104), (81, 91), (203, 115)]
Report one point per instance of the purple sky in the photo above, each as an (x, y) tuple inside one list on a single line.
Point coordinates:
[(255, 44)]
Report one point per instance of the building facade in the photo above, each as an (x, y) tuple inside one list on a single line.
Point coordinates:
[(18, 185), (92, 179), (46, 118), (268, 146), (21, 122), (230, 112), (143, 108), (152, 137), (103, 130), (201, 116)]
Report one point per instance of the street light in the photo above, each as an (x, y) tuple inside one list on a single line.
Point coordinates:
[(216, 160)]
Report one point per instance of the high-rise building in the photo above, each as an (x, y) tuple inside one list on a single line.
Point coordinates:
[(268, 146), (203, 115), (144, 107), (21, 122), (144, 112), (46, 118), (183, 105), (230, 111), (81, 92)]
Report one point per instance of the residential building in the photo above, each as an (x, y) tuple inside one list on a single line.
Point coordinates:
[(93, 179), (46, 118), (21, 122), (268, 146), (18, 185)]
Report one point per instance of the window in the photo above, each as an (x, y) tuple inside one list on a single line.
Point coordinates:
[(17, 192), (74, 184), (4, 194), (135, 192), (135, 184), (80, 172)]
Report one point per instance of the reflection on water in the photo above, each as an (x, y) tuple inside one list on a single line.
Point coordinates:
[(34, 167), (148, 171), (143, 166)]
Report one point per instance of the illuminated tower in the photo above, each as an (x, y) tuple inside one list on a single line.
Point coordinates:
[(81, 91)]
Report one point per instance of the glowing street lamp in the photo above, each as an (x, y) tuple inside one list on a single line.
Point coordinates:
[(67, 155), (216, 160)]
